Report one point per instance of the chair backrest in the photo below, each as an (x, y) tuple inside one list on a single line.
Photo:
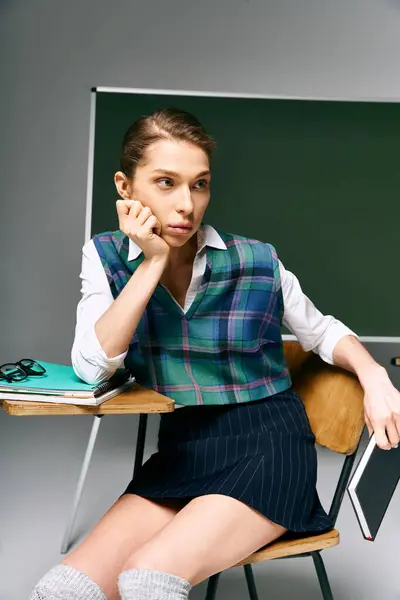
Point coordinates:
[(333, 399)]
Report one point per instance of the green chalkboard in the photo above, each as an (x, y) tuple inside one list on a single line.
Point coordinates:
[(319, 180)]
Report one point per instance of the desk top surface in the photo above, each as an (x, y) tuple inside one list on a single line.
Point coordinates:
[(137, 400)]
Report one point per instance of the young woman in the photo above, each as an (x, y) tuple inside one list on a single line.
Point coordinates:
[(196, 314)]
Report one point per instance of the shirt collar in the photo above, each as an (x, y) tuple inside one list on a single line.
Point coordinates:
[(206, 236)]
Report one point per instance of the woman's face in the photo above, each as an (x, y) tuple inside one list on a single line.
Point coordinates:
[(174, 182)]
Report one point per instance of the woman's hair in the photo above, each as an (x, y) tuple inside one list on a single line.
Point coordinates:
[(166, 123)]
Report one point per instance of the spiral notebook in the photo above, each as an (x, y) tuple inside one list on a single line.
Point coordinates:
[(372, 486), (61, 384)]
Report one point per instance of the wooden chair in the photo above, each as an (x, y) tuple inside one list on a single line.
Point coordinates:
[(333, 399)]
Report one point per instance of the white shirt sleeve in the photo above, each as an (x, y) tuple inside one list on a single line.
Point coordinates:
[(89, 360), (314, 331)]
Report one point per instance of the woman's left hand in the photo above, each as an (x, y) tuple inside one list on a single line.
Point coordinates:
[(381, 399), (382, 411)]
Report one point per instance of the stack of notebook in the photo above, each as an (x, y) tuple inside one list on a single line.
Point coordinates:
[(60, 384)]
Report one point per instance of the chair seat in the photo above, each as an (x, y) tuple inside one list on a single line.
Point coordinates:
[(291, 547)]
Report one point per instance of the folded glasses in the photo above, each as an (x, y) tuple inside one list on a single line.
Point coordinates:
[(20, 370)]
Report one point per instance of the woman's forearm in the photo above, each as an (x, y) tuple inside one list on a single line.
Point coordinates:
[(350, 354), (117, 325)]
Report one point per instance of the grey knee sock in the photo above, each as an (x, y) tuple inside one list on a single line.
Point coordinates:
[(63, 582), (148, 584)]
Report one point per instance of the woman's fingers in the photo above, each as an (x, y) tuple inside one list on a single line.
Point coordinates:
[(381, 437), (142, 227), (386, 435), (397, 422), (368, 423), (129, 212), (135, 208), (124, 207), (153, 224), (382, 409), (143, 215), (392, 434)]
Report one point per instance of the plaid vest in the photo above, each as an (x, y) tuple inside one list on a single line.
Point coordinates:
[(228, 347)]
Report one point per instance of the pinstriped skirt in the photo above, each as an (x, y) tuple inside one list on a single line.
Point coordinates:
[(261, 453)]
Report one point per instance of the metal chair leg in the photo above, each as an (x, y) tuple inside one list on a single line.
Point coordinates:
[(81, 481), (212, 586), (141, 438), (322, 576), (251, 584)]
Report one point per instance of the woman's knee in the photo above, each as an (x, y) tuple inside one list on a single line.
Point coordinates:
[(128, 524)]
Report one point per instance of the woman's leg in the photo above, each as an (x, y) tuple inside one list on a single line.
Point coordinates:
[(129, 523), (210, 534)]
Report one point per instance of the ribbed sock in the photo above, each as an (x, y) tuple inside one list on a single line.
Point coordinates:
[(148, 584), (64, 582)]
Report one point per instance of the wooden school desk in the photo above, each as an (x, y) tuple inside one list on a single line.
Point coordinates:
[(138, 400)]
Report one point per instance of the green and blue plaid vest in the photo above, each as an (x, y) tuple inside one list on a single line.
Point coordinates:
[(227, 348)]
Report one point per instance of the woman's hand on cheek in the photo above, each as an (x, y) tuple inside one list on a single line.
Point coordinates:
[(143, 228)]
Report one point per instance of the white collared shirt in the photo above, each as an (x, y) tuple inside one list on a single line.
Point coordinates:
[(314, 331)]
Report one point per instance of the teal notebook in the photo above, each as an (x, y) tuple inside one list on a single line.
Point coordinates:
[(61, 380)]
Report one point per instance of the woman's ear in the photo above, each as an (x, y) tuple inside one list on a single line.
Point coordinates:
[(124, 185)]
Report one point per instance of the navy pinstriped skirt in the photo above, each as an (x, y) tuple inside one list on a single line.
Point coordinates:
[(260, 452)]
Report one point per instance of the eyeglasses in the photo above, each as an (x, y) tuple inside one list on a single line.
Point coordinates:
[(21, 370)]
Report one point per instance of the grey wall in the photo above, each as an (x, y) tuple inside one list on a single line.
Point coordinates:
[(55, 52), (52, 53)]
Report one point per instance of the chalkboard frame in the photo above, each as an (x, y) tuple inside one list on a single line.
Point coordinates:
[(116, 90)]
